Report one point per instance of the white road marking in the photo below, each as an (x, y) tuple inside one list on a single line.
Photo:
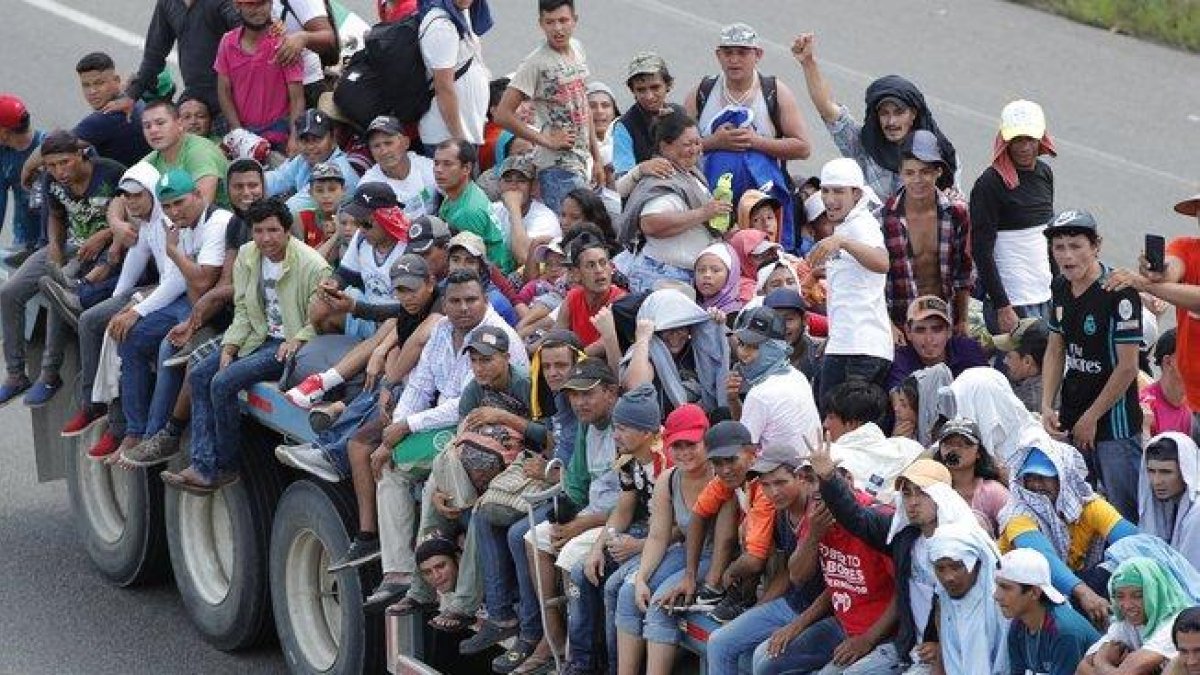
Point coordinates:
[(93, 23)]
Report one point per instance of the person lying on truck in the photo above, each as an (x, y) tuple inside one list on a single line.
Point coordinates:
[(426, 413), (274, 279)]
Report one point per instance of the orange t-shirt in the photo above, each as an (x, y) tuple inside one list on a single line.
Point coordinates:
[(758, 517), (1187, 340)]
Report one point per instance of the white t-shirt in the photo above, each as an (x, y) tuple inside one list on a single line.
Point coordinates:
[(539, 222), (271, 273), (1125, 633), (360, 258), (858, 318), (781, 410), (680, 250), (921, 586), (417, 191), (441, 48), (303, 11)]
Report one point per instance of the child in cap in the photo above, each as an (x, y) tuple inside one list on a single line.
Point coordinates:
[(759, 211), (327, 187), (317, 144)]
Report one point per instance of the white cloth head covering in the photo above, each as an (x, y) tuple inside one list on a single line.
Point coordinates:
[(1183, 533), (951, 508), (1073, 494), (814, 207), (984, 395), (845, 172), (965, 647), (874, 460)]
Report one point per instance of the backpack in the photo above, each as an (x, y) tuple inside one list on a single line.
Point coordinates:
[(329, 57), (359, 93), (770, 92)]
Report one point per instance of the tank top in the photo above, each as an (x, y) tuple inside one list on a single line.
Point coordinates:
[(718, 100)]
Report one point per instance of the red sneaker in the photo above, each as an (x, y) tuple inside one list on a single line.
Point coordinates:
[(81, 421), (104, 447), (307, 393)]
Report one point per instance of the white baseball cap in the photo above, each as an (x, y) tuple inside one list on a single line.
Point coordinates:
[(1022, 118), (1029, 567)]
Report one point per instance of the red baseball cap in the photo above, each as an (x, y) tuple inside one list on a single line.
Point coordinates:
[(13, 113), (685, 423)]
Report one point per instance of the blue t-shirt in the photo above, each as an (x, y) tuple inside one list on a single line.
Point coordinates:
[(1056, 649), (115, 136), (798, 597), (26, 224)]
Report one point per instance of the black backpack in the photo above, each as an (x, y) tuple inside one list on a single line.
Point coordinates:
[(329, 57)]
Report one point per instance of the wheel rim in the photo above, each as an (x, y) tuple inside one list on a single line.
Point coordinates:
[(206, 535), (314, 609), (105, 492)]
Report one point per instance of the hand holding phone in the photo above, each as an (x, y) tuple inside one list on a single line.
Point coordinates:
[(1156, 246)]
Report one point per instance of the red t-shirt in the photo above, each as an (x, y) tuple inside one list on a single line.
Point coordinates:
[(581, 313), (1187, 340), (860, 579)]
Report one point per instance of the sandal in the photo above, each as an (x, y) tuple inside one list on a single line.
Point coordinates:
[(535, 665), (451, 622), (489, 633), (383, 595), (513, 658), (409, 605)]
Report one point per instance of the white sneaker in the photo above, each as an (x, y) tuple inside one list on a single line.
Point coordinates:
[(310, 459)]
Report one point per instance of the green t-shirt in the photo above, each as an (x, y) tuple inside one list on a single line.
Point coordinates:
[(200, 157), (472, 212)]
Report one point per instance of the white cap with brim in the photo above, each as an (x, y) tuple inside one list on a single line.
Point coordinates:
[(1022, 118), (842, 172), (814, 207), (1029, 567), (139, 178), (1189, 206)]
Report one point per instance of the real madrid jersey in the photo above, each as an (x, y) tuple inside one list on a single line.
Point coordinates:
[(1092, 325)]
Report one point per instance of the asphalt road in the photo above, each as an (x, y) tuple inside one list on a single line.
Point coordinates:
[(1125, 115)]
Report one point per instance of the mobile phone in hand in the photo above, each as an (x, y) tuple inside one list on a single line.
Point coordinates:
[(1156, 246)]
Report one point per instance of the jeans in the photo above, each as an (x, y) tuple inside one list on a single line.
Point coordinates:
[(585, 601), (466, 596), (655, 625), (93, 323), (738, 638), (840, 368), (335, 439), (148, 398), (555, 183), (20, 287), (882, 660), (1120, 463), (507, 582), (216, 420), (645, 273)]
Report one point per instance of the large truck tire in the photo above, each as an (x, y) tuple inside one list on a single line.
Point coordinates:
[(119, 515), (220, 544), (318, 615)]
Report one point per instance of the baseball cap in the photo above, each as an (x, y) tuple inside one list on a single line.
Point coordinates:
[(138, 178), (588, 373), (759, 325), (1189, 206), (425, 232), (1029, 337), (522, 164), (327, 171), (775, 456), (922, 144), (842, 172), (1038, 463), (385, 123), (1073, 221), (13, 113), (409, 272), (765, 245), (1022, 118), (738, 35), (552, 246), (785, 298), (645, 63), (960, 426), (174, 184), (369, 197), (469, 241), (488, 340), (927, 306), (726, 439), (313, 123), (1028, 566), (925, 472), (685, 423)]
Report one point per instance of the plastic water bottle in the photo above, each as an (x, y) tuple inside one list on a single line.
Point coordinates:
[(722, 193)]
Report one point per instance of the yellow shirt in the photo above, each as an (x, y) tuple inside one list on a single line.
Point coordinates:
[(1097, 520)]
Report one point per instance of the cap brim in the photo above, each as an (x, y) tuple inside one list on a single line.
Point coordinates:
[(689, 435), (750, 337), (1068, 230), (1009, 133), (1188, 207), (357, 211), (419, 247), (724, 451), (959, 432), (1053, 594), (408, 283), (582, 384), (468, 249), (486, 350), (1005, 342)]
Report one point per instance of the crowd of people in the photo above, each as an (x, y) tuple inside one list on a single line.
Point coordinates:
[(876, 419)]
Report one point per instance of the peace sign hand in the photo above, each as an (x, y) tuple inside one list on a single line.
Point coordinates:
[(821, 456)]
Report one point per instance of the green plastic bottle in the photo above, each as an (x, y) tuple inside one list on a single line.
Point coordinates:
[(722, 193)]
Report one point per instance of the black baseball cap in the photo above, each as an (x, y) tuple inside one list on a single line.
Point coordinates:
[(313, 123), (371, 196), (785, 298), (1074, 221), (488, 340), (425, 232), (726, 439), (759, 325), (588, 373)]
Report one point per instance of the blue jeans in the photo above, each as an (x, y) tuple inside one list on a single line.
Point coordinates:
[(655, 625), (148, 397), (585, 601), (556, 183), (216, 420), (1120, 463), (507, 581), (738, 638), (645, 272), (335, 439), (840, 368)]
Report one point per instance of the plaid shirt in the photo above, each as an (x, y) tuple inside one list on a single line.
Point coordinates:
[(955, 266)]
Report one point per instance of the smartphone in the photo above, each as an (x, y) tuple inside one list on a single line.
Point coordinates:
[(1156, 252)]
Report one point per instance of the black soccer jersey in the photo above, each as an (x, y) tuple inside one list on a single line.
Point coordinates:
[(1092, 325)]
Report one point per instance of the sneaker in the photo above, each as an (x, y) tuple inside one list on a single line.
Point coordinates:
[(157, 449), (308, 458), (82, 420), (65, 301), (62, 275), (361, 552), (729, 608), (203, 342), (17, 259), (708, 595), (322, 417), (9, 391), (107, 445), (41, 392), (308, 393)]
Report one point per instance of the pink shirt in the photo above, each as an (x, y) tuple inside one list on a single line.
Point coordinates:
[(987, 501), (260, 88), (1167, 417)]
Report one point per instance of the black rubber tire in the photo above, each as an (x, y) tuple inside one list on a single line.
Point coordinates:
[(319, 514), (242, 616), (135, 551)]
